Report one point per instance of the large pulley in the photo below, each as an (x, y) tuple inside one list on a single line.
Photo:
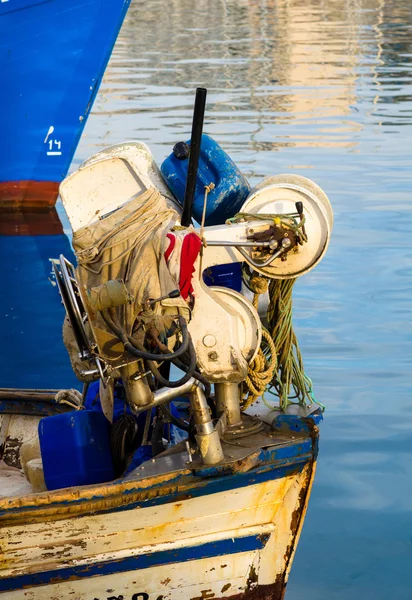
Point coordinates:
[(282, 230), (300, 197)]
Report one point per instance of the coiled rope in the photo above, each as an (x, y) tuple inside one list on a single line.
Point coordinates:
[(278, 365)]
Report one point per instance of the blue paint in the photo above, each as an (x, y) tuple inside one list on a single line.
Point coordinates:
[(75, 449), (219, 548), (52, 58), (275, 463), (229, 276), (290, 423), (215, 166)]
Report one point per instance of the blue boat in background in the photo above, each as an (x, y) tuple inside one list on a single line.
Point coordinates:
[(53, 54)]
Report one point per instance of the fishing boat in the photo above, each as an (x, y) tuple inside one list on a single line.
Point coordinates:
[(170, 476), (52, 59)]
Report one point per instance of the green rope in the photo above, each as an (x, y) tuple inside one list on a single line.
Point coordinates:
[(289, 384)]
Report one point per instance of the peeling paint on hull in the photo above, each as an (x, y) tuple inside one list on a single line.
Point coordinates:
[(237, 543)]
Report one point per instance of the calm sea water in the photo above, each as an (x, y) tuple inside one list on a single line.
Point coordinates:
[(323, 89)]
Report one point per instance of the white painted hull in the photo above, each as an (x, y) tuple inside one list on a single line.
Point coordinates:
[(217, 545)]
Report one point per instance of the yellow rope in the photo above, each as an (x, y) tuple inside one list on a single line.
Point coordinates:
[(258, 285), (208, 189), (261, 371)]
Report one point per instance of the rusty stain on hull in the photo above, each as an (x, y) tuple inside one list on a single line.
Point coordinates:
[(11, 452), (28, 194), (81, 542), (273, 591)]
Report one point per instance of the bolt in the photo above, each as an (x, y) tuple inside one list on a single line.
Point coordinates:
[(212, 356)]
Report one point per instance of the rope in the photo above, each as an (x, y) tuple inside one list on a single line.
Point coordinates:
[(290, 374), (208, 189), (258, 285), (70, 397), (261, 371), (278, 366)]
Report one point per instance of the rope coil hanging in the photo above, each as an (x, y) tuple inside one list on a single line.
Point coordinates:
[(278, 364)]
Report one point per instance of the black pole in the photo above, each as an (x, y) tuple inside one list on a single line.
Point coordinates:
[(197, 128)]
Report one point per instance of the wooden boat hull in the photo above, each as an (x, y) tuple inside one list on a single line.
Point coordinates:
[(167, 532)]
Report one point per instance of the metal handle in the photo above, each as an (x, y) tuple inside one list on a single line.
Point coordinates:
[(197, 128)]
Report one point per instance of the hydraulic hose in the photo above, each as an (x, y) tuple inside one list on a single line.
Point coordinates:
[(138, 350), (181, 364), (190, 369)]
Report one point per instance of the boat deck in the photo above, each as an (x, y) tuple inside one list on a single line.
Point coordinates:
[(13, 482)]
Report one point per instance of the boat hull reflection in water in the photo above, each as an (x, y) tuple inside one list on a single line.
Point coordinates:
[(32, 353)]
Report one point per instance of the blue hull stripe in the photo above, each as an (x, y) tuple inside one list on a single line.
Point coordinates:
[(222, 484), (194, 487), (136, 563)]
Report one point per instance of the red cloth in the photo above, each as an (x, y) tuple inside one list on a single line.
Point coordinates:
[(171, 247), (190, 251)]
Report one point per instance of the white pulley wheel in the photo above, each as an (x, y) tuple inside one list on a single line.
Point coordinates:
[(278, 195), (249, 325)]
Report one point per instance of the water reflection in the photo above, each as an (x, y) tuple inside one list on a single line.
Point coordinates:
[(280, 74), (32, 354), (322, 89)]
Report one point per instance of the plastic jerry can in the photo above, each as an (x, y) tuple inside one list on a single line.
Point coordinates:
[(75, 449), (215, 166)]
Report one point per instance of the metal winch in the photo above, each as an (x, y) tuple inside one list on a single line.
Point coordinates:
[(125, 311)]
